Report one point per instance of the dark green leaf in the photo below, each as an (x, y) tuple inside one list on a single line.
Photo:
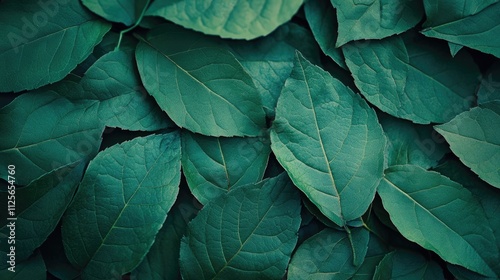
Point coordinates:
[(249, 233), (42, 41), (121, 204), (32, 268), (489, 89), (376, 252), (329, 141), (409, 265), (125, 11)]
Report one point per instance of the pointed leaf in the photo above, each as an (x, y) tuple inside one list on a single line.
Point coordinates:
[(329, 141), (377, 250), (402, 264), (121, 204), (474, 136), (203, 89), (46, 39), (249, 233), (236, 19), (125, 11), (213, 166), (439, 215), (413, 78)]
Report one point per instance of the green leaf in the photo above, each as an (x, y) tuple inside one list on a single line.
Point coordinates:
[(113, 89), (337, 164), (439, 215), (38, 209), (32, 268), (465, 25), (236, 19), (202, 88), (320, 15), (474, 136), (162, 261), (329, 255), (402, 264), (55, 259), (489, 89), (410, 143), (213, 166), (46, 39), (375, 19), (249, 233), (445, 11), (413, 78), (125, 11), (454, 48), (121, 204), (375, 253), (41, 131)]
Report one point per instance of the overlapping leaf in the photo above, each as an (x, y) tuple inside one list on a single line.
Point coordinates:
[(249, 233), (237, 19), (375, 19), (125, 11), (202, 88), (329, 141), (42, 41), (489, 89), (474, 136), (213, 166), (413, 78), (439, 215), (402, 264), (121, 204)]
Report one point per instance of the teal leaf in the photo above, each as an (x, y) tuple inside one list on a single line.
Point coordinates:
[(42, 131), (44, 40), (125, 11), (234, 19), (329, 141), (474, 136), (39, 207), (203, 89), (375, 19), (375, 253), (489, 88), (162, 260), (439, 215), (121, 204), (409, 143), (322, 20), (454, 48), (249, 233), (113, 89), (440, 12), (213, 166), (474, 30), (329, 255), (32, 268), (402, 264), (413, 78)]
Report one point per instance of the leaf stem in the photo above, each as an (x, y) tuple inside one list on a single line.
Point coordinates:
[(138, 21)]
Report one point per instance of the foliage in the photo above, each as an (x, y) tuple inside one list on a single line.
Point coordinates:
[(250, 139)]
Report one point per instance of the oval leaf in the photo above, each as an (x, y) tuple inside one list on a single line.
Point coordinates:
[(121, 204), (204, 89), (439, 215), (236, 19), (329, 141), (249, 233), (474, 136), (46, 39)]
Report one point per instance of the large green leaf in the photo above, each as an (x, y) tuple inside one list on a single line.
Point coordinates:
[(38, 208), (469, 23), (413, 78), (329, 255), (127, 12), (121, 204), (237, 19), (407, 265), (42, 41), (42, 131), (410, 143), (489, 89), (320, 15), (202, 88), (375, 19), (329, 141), (439, 215), (474, 136), (32, 268), (249, 233), (114, 92), (162, 260), (213, 166)]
